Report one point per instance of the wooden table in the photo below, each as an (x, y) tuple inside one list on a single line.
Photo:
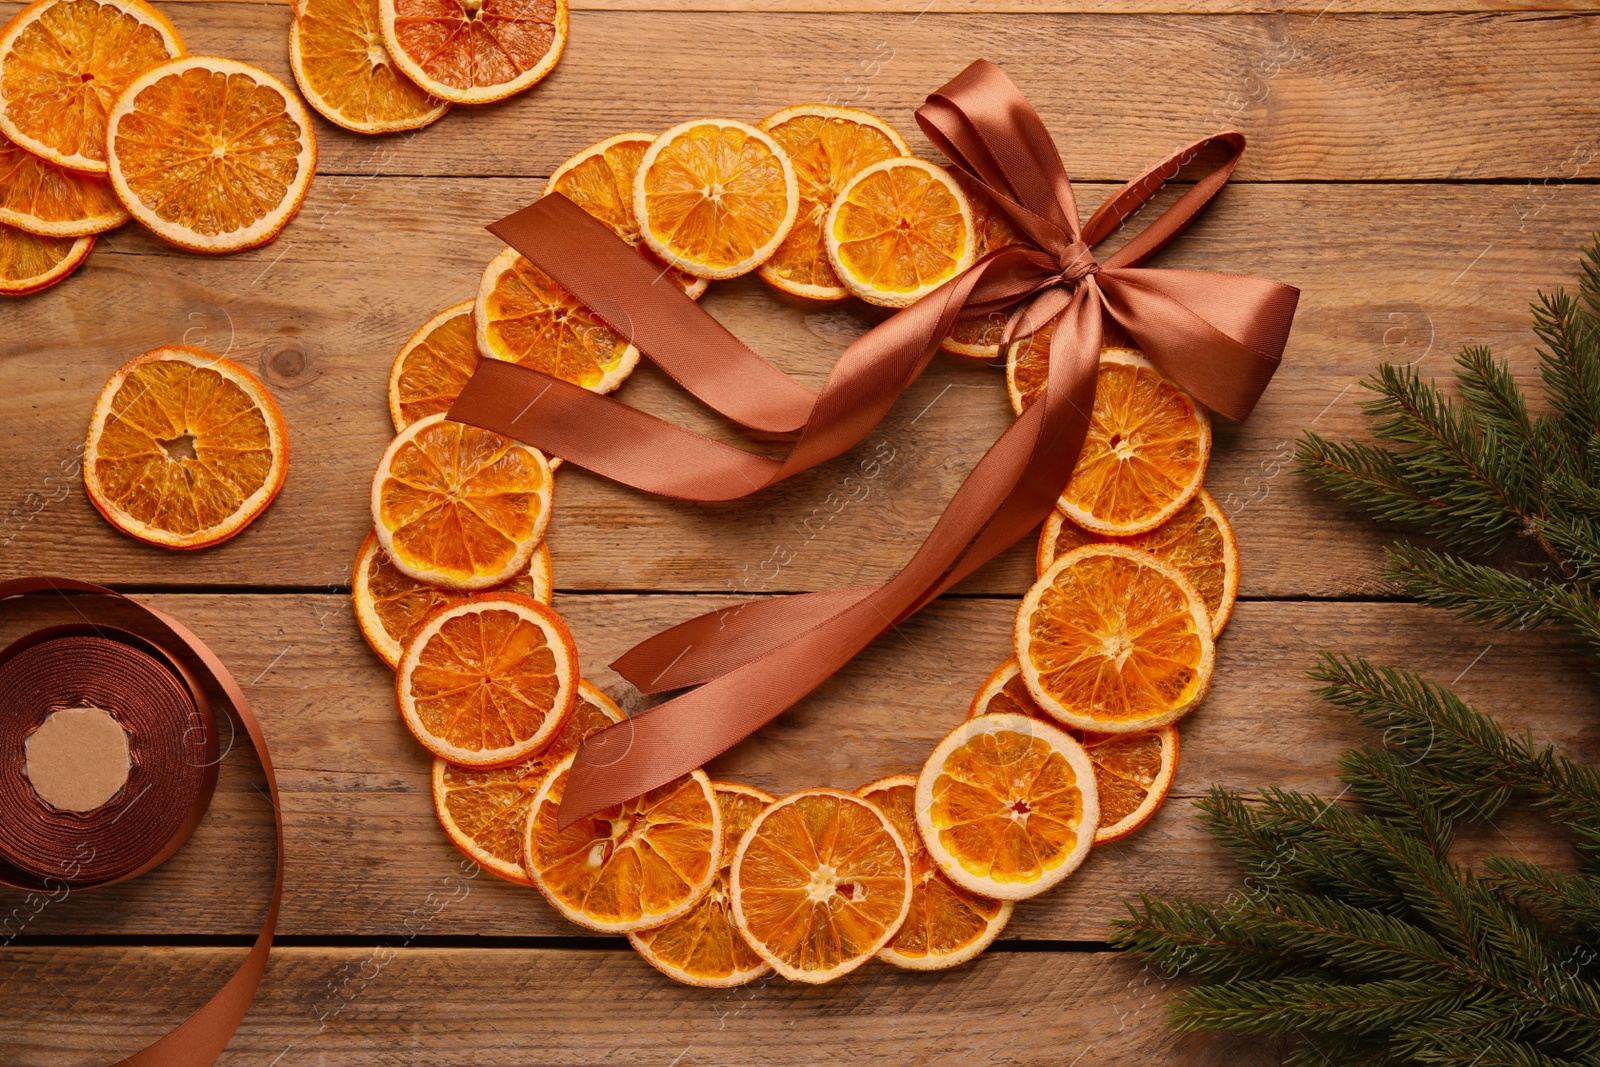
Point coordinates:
[(1418, 167)]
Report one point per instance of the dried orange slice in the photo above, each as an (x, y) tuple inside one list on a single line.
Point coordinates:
[(62, 65), (1131, 771), (1198, 540), (390, 605), (715, 197), (458, 506), (1114, 640), (980, 337), (599, 179), (29, 262), (474, 51), (526, 317), (433, 367), (946, 925), (821, 883), (704, 947), (1148, 442), (210, 154), (631, 866), (185, 448), (1007, 806), (827, 146), (485, 812), (898, 230), (337, 53), (52, 201), (489, 681)]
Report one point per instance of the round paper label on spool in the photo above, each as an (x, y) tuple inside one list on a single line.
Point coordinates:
[(78, 760)]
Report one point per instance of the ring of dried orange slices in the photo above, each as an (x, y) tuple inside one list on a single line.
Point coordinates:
[(1069, 744)]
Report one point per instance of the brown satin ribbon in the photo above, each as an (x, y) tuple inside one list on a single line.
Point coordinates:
[(157, 679), (1219, 336)]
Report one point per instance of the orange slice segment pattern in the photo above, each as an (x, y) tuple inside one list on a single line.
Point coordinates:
[(821, 883), (946, 924), (489, 681), (433, 367), (29, 263), (63, 63), (475, 51), (629, 867), (52, 201), (485, 812), (338, 57), (992, 228), (899, 230), (1114, 640), (185, 448), (704, 947)]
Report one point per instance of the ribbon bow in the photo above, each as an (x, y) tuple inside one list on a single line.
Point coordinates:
[(1219, 336)]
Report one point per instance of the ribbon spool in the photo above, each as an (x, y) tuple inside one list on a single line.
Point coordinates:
[(157, 686)]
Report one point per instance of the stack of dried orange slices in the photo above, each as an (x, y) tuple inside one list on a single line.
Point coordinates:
[(1068, 744), (104, 116)]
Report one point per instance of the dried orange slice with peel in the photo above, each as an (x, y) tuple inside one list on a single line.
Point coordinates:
[(946, 925), (433, 366), (526, 317), (979, 338), (703, 947), (62, 65), (1132, 772), (341, 64), (488, 681), (29, 263), (827, 146), (599, 179), (715, 197), (1112, 639), (390, 605), (474, 51), (821, 883), (636, 865), (52, 201), (485, 812), (1198, 540), (898, 230), (458, 506), (185, 448), (211, 154), (1007, 806), (1145, 454)]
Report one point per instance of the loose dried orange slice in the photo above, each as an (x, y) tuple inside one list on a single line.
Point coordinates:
[(631, 866), (1114, 640), (1132, 772), (1198, 540), (898, 230), (52, 201), (458, 506), (599, 179), (980, 337), (433, 367), (489, 681), (339, 60), (827, 146), (485, 812), (821, 883), (210, 154), (185, 448), (1007, 806), (390, 605), (475, 51), (62, 65), (29, 262), (946, 925), (1145, 454), (704, 947), (715, 197), (526, 317)]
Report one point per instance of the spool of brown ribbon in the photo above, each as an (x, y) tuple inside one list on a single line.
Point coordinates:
[(131, 668)]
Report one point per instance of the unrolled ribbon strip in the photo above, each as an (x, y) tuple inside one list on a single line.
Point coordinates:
[(158, 681), (1219, 336)]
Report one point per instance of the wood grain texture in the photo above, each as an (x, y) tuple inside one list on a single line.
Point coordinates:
[(929, 8), (320, 313)]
